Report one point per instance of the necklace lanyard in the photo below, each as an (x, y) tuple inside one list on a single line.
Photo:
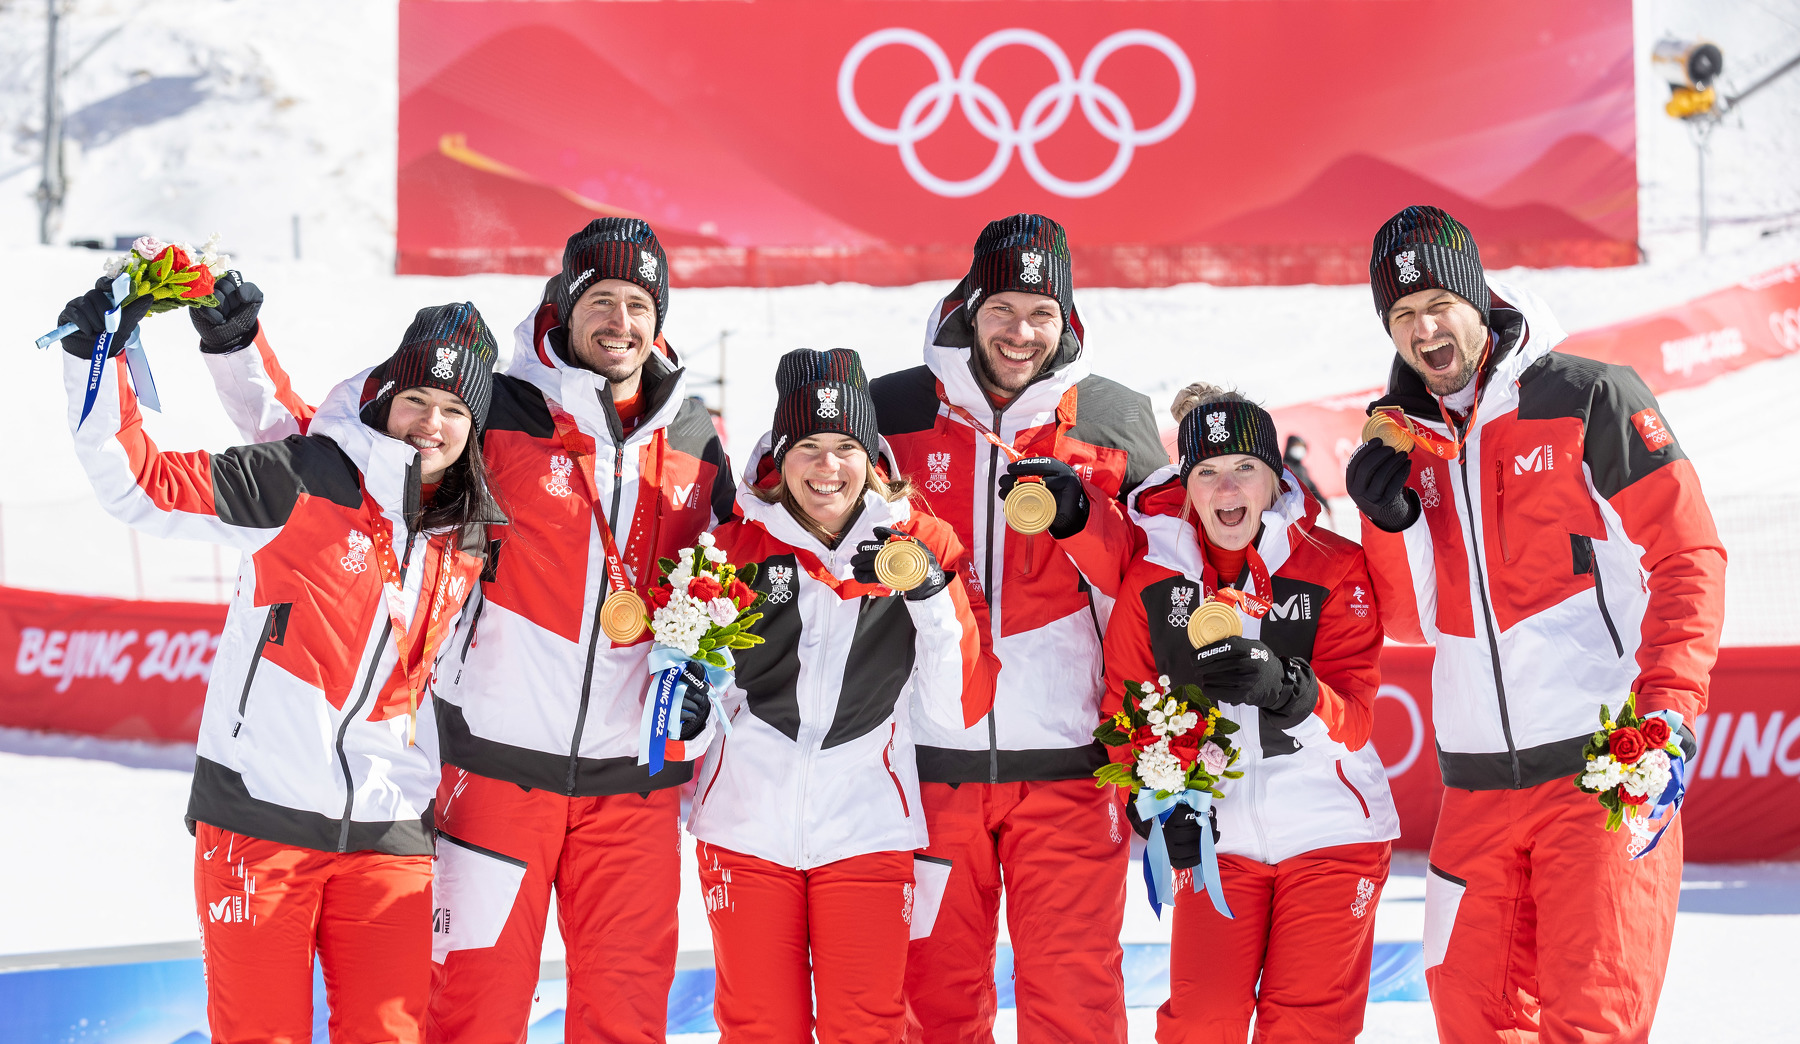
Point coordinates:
[(580, 449), (844, 589), (1063, 424), (1451, 448), (414, 642), (1250, 602)]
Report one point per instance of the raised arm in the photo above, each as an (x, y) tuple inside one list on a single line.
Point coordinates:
[(252, 386)]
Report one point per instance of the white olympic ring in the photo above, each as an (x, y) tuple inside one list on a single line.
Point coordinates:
[(1415, 719), (1043, 116)]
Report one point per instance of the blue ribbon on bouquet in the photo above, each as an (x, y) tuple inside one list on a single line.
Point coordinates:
[(660, 706), (1159, 876), (1673, 795), (135, 360)]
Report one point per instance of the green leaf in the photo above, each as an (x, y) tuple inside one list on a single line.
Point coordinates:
[(747, 573), (667, 565), (714, 659)]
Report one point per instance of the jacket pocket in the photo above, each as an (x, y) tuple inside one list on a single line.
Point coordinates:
[(887, 762), (1582, 562), (274, 632), (1351, 787)]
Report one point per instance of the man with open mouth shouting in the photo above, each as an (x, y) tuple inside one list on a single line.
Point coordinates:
[(1548, 535), (1013, 796)]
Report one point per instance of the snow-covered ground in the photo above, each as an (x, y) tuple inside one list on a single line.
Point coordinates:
[(259, 117)]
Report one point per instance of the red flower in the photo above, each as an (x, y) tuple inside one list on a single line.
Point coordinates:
[(659, 598), (178, 258), (1186, 747), (202, 284), (742, 594), (704, 588), (1143, 737), (1627, 797), (1627, 745), (1656, 732)]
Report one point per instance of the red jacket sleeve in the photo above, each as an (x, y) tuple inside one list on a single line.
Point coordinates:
[(981, 668), (1127, 651), (1106, 546), (1347, 656)]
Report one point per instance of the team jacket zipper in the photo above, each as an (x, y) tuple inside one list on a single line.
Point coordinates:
[(1600, 596), (587, 677), (387, 628), (268, 635), (1487, 615), (807, 735), (987, 581)]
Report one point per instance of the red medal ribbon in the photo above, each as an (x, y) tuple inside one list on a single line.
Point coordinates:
[(845, 589), (1437, 445), (415, 642), (1065, 419), (1250, 603), (581, 450)]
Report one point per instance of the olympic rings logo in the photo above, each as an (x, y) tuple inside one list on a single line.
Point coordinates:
[(1044, 114), (1785, 325)]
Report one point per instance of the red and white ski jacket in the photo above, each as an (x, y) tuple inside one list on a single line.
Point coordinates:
[(1044, 620), (303, 737), (1564, 559), (1313, 785), (533, 692), (820, 764)]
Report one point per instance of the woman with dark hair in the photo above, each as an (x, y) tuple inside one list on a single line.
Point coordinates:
[(1304, 837), (807, 813), (312, 795)]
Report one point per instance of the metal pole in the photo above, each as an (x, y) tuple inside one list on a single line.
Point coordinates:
[(1701, 151), (50, 187)]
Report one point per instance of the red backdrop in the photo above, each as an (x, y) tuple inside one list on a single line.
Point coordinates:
[(1679, 347), (1232, 142)]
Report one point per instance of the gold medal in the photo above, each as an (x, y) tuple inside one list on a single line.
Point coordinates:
[(1214, 621), (1384, 428), (622, 616), (901, 564), (1029, 508)]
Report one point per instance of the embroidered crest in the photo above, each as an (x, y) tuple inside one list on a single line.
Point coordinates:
[(445, 368), (1031, 267), (359, 547), (646, 265), (1407, 262), (781, 579), (906, 902), (828, 406), (1359, 603), (1215, 427), (1181, 604), (1428, 491), (939, 466), (561, 468), (1117, 835), (1365, 891)]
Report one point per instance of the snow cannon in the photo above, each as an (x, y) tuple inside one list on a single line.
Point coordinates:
[(1689, 67)]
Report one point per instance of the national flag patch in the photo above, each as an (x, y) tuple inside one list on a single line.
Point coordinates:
[(1650, 426)]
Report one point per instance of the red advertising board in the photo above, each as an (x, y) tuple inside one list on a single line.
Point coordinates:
[(105, 666), (1234, 141), (1740, 802), (1679, 347)]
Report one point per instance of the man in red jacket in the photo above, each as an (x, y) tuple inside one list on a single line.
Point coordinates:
[(1014, 797), (1549, 537)]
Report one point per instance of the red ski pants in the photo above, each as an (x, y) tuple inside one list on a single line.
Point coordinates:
[(1060, 847), (265, 907), (785, 939), (1538, 927), (1306, 926), (615, 862)]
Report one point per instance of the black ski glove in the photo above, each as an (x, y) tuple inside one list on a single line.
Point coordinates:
[(1243, 670), (88, 313), (1064, 484), (1376, 480), (1181, 834), (231, 324), (862, 566), (696, 703)]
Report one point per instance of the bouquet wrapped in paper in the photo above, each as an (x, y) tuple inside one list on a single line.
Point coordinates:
[(701, 611), (1635, 765), (1177, 751)]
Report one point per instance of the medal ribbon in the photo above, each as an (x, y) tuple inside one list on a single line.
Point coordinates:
[(1437, 445), (581, 450), (1250, 603), (1065, 419), (415, 642)]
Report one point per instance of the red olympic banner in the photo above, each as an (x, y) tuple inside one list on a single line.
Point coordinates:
[(1740, 802), (809, 140), (105, 666), (1680, 347)]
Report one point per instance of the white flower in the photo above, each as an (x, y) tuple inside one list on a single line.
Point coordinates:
[(722, 611), (1214, 759), (705, 540), (682, 573), (1162, 680), (681, 624), (1159, 769), (714, 555), (1649, 777), (1603, 773), (216, 263)]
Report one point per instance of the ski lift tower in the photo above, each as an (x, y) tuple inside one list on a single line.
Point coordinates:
[(1691, 68)]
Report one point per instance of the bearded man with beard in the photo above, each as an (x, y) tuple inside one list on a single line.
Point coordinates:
[(1004, 392)]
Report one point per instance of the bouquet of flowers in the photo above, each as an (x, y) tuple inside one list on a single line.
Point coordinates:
[(1632, 762), (702, 610), (172, 275), (1177, 753)]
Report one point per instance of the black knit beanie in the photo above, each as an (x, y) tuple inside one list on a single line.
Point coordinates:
[(1214, 429), (1025, 252), (1423, 248), (613, 248), (448, 347), (822, 392)]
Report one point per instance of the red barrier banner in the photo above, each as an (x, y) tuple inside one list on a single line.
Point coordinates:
[(809, 140), (1690, 344), (1740, 803), (105, 666)]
